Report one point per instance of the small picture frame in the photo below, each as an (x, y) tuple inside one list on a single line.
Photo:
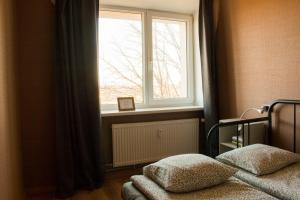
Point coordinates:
[(126, 103)]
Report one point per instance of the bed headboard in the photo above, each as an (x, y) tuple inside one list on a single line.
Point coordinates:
[(268, 119), (272, 105)]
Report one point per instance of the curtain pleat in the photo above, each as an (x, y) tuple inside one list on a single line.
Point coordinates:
[(78, 126), (207, 38)]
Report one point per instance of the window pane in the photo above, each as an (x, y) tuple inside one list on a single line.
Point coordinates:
[(121, 56), (169, 59)]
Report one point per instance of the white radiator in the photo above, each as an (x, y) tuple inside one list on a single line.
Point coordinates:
[(137, 143)]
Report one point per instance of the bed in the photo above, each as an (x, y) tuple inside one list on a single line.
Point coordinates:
[(143, 188), (130, 192), (232, 189), (189, 177), (270, 169), (282, 184)]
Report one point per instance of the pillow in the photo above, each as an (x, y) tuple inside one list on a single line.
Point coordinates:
[(259, 159), (188, 172)]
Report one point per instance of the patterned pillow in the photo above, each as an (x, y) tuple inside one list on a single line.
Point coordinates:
[(259, 159), (188, 172)]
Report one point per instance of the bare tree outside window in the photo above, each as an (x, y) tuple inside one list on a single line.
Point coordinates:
[(169, 59), (120, 56), (121, 62)]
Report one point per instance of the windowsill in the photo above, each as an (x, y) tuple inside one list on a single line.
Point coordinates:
[(145, 111)]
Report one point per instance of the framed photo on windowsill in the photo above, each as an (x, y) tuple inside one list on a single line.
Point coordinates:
[(126, 103)]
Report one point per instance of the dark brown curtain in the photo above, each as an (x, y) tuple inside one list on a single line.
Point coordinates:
[(78, 111), (209, 71)]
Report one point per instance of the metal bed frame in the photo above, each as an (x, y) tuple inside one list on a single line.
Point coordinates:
[(268, 119)]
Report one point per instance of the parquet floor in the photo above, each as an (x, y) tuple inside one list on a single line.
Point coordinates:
[(111, 189)]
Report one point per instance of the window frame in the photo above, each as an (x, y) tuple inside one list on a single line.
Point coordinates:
[(146, 16)]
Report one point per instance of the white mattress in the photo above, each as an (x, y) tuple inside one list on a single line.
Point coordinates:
[(284, 184), (232, 189)]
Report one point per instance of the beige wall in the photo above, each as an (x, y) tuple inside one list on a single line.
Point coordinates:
[(36, 40), (258, 55), (10, 158)]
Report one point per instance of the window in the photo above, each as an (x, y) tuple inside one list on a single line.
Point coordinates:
[(147, 55)]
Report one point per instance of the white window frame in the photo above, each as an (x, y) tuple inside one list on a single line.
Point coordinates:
[(147, 16)]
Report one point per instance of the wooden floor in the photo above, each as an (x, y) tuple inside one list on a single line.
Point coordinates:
[(111, 189)]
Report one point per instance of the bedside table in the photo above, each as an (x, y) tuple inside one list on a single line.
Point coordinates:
[(257, 131)]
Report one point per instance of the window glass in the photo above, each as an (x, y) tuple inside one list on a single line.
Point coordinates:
[(169, 59), (120, 56)]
